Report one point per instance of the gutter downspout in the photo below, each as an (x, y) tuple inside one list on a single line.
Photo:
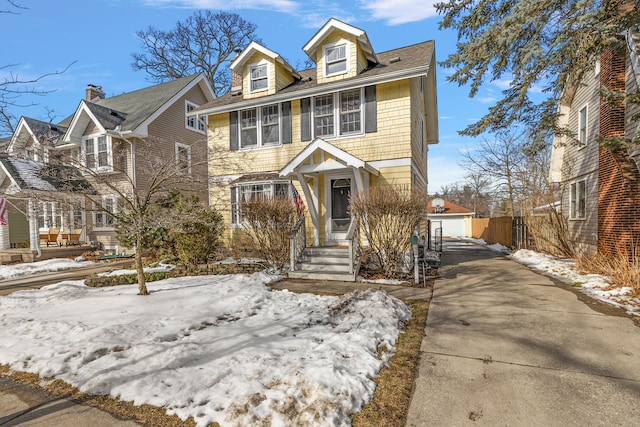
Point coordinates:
[(206, 126)]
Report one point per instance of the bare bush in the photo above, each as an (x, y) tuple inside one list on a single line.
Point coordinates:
[(388, 216), (268, 223), (549, 232)]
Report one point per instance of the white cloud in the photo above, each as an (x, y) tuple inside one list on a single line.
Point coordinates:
[(400, 11), (502, 83), (486, 99)]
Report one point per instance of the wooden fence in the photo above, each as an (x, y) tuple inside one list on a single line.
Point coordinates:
[(493, 230)]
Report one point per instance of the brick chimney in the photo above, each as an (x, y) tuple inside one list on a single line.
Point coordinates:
[(236, 78), (94, 93), (618, 174)]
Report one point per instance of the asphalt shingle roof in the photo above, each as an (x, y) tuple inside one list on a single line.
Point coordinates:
[(404, 58), (33, 175), (133, 108)]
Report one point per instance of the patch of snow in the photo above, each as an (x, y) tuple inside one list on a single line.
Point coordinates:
[(594, 285), (158, 268), (223, 349)]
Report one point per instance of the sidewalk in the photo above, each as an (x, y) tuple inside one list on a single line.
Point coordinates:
[(508, 347), (35, 281)]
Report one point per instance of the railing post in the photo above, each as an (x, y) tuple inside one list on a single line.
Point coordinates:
[(292, 253)]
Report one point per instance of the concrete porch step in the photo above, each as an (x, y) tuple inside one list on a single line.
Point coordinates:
[(324, 267), (328, 251), (322, 275)]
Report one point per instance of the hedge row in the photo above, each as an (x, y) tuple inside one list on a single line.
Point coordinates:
[(180, 271)]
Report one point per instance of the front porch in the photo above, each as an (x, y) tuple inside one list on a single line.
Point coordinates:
[(14, 256)]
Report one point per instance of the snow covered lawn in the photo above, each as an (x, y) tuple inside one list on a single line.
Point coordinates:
[(217, 348)]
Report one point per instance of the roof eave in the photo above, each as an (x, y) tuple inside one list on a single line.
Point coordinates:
[(318, 90)]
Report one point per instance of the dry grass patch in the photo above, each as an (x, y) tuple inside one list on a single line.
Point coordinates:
[(144, 414), (390, 402), (622, 267)]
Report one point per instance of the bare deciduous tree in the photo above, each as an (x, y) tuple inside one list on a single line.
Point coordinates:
[(499, 161), (137, 194), (199, 44), (13, 87)]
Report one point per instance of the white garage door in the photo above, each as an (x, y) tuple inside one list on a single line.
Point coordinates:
[(451, 227)]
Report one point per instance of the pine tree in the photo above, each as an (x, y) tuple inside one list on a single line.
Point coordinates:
[(545, 44)]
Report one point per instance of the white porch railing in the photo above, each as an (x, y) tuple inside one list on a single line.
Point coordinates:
[(298, 241)]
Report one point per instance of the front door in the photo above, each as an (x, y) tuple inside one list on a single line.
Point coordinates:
[(340, 218)]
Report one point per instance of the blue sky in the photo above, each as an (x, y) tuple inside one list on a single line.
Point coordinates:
[(98, 37)]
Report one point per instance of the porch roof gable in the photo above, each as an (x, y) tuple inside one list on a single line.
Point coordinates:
[(319, 144)]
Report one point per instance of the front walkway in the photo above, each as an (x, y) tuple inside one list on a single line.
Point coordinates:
[(508, 347)]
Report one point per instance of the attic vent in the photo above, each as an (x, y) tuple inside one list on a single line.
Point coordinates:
[(53, 128), (306, 79), (236, 93), (394, 59), (113, 113)]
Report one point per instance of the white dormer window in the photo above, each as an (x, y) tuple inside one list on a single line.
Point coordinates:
[(192, 122), (259, 77), (97, 154), (335, 58)]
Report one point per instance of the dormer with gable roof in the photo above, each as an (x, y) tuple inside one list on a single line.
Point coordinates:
[(34, 138), (340, 51), (263, 71)]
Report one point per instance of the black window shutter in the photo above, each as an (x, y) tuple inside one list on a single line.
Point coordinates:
[(370, 109), (286, 122), (305, 119), (233, 130)]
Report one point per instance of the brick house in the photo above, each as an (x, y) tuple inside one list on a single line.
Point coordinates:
[(600, 187)]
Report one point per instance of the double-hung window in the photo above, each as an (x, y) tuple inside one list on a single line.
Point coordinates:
[(346, 113), (582, 126), (350, 112), (246, 192), (183, 159), (324, 115), (578, 197), (260, 127), (192, 122), (259, 77), (48, 214), (335, 57), (103, 215), (97, 153)]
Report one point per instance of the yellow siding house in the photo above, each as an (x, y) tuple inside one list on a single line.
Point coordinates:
[(357, 120)]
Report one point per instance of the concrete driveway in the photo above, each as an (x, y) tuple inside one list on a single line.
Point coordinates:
[(505, 346)]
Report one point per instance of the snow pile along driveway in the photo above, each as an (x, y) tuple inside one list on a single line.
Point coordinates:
[(218, 348)]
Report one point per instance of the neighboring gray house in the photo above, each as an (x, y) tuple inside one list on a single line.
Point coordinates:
[(600, 187), (118, 138)]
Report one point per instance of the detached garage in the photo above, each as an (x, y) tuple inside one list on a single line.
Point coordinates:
[(454, 220)]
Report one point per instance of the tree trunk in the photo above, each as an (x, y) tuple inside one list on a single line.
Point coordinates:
[(142, 285)]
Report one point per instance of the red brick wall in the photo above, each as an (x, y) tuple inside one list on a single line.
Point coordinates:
[(618, 175)]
